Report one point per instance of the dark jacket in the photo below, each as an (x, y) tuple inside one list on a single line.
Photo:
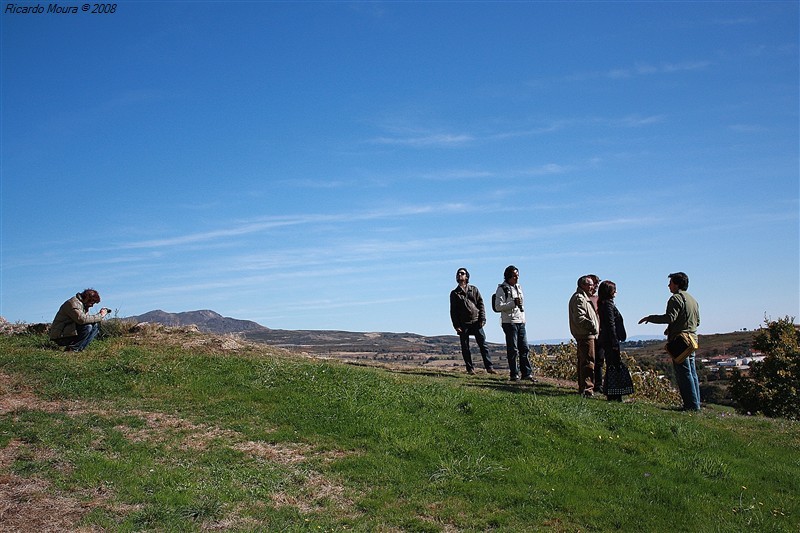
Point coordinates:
[(466, 307), (612, 327)]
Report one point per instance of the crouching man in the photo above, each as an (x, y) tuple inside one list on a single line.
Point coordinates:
[(73, 327)]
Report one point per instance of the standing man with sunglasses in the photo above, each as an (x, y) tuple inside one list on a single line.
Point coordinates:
[(468, 315)]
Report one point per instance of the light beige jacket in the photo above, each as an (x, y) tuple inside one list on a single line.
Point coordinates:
[(583, 320), (71, 314)]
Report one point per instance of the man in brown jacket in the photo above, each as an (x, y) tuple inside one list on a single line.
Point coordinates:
[(584, 326), (73, 327)]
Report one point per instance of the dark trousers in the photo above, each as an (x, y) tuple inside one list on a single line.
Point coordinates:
[(612, 357), (480, 339), (517, 346), (599, 361)]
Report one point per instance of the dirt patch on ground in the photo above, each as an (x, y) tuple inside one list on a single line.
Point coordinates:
[(34, 504), (31, 504)]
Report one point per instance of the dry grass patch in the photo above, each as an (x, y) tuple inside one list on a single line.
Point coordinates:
[(33, 504)]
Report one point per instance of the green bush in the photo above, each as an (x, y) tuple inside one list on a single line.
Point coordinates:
[(650, 385), (773, 386), (558, 362)]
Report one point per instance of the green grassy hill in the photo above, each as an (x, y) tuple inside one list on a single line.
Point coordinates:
[(187, 432)]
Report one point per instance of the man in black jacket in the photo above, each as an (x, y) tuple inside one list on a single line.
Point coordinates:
[(468, 315)]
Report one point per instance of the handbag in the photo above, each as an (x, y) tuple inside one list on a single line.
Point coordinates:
[(680, 347), (618, 380)]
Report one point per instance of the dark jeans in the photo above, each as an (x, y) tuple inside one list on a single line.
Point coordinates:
[(517, 346), (688, 383), (480, 338), (77, 343)]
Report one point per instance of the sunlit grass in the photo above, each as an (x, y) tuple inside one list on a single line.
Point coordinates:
[(178, 438)]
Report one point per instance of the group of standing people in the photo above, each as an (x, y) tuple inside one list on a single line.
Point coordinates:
[(598, 329), (468, 314), (595, 322)]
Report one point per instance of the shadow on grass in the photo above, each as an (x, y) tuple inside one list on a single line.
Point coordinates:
[(541, 388), (486, 381)]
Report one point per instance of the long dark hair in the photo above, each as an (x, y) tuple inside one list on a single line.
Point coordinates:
[(606, 291)]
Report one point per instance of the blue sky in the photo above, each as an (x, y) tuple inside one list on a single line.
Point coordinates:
[(330, 165)]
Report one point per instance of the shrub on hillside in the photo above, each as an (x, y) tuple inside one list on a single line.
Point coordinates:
[(557, 361), (773, 385), (116, 327), (650, 385), (560, 362)]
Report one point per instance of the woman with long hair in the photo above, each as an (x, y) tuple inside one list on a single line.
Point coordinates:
[(612, 333)]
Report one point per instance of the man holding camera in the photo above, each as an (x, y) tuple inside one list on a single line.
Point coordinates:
[(509, 303), (73, 327)]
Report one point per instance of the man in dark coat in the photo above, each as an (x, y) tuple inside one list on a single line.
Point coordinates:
[(468, 315)]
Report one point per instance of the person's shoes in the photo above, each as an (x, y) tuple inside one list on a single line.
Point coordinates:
[(470, 372), (588, 394), (515, 377), (531, 379), (491, 371)]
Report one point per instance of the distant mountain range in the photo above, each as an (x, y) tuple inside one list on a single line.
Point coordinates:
[(206, 321), (315, 341)]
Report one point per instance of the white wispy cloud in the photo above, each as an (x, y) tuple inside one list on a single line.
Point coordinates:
[(748, 128), (550, 127), (547, 169), (309, 183), (269, 223), (458, 174), (646, 69), (243, 229), (425, 141), (735, 21), (636, 121), (631, 71)]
